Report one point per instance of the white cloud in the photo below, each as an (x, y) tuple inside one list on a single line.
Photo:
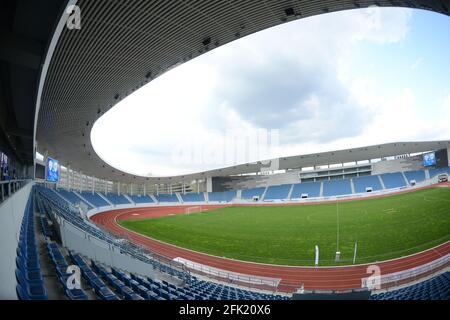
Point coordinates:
[(297, 77), (416, 64)]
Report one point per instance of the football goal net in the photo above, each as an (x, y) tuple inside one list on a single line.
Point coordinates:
[(194, 209)]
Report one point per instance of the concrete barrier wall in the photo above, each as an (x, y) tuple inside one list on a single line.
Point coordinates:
[(11, 214), (83, 243)]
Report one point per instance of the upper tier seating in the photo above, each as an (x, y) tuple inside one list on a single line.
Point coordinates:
[(253, 192), (141, 199), (225, 196), (116, 198), (337, 188), (437, 288), (71, 197), (312, 189), (280, 192), (361, 183), (166, 198), (193, 197), (94, 198), (418, 175), (436, 171), (393, 180)]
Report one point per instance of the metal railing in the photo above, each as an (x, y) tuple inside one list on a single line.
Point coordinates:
[(244, 280), (404, 277), (9, 187)]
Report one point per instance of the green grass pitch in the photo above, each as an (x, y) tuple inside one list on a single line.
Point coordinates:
[(384, 228)]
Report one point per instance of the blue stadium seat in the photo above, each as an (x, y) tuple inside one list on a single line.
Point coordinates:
[(393, 180), (166, 198), (418, 175), (72, 197), (280, 192), (312, 189), (253, 192), (132, 286), (116, 199), (224, 196), (76, 294), (193, 197), (337, 188), (30, 285), (141, 199), (361, 183), (105, 293), (436, 288), (95, 199), (436, 171)]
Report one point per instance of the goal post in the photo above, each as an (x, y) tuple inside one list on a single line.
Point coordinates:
[(193, 209)]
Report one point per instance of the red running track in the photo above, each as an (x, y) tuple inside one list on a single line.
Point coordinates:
[(335, 278)]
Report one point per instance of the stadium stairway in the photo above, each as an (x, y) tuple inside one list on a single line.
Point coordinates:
[(105, 198), (95, 199), (128, 197), (381, 182), (84, 199), (263, 196)]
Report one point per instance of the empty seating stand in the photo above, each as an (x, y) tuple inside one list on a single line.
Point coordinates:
[(393, 180), (30, 284), (337, 188), (362, 183), (60, 264), (141, 199), (224, 196), (134, 287), (116, 198), (280, 192), (248, 194), (193, 197), (167, 198), (95, 199), (71, 197), (437, 171), (418, 175), (436, 288), (311, 189)]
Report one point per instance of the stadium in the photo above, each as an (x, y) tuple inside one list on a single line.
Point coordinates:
[(366, 223)]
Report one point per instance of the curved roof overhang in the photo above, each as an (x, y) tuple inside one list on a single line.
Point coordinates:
[(123, 45)]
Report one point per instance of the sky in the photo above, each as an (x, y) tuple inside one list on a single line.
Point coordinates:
[(335, 81)]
